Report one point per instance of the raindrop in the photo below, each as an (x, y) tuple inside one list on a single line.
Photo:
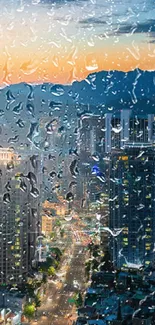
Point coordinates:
[(117, 129), (20, 123), (31, 93), (34, 212), (32, 178), (9, 96), (34, 192), (60, 174), (72, 184), (98, 216), (68, 218), (8, 186), (17, 109), (43, 87), (30, 109), (21, 224), (115, 232), (53, 174), (57, 90), (33, 160), (73, 168), (6, 198), (69, 196), (14, 139), (51, 126), (95, 157), (1, 112), (23, 186), (10, 165)]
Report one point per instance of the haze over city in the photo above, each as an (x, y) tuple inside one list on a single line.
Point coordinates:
[(77, 162)]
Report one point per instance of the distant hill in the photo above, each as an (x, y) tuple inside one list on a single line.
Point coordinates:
[(117, 90), (109, 89), (22, 105)]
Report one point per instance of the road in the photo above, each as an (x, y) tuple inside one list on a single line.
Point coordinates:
[(56, 303)]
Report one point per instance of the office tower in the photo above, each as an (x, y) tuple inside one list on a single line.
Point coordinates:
[(112, 131), (132, 204), (91, 148), (125, 126), (20, 182), (91, 130)]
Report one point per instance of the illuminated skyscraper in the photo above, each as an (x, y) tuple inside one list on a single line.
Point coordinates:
[(132, 204), (19, 214)]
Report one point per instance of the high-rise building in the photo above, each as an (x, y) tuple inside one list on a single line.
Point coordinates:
[(132, 204), (125, 126), (91, 148), (100, 135), (20, 181)]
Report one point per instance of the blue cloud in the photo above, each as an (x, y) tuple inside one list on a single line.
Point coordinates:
[(143, 27), (93, 21)]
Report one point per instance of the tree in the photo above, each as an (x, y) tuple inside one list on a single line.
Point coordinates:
[(95, 264), (37, 301), (96, 251), (78, 300), (106, 263), (56, 264), (90, 247), (57, 252), (29, 311), (87, 269), (57, 223), (51, 271), (62, 231), (31, 287), (53, 235), (44, 278)]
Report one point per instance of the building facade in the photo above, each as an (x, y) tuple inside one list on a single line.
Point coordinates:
[(132, 205), (20, 188)]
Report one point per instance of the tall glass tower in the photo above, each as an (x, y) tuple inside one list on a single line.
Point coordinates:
[(20, 225), (132, 205)]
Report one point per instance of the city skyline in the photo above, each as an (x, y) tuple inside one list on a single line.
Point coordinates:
[(63, 41)]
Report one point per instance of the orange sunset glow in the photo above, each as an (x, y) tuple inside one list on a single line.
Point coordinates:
[(48, 42)]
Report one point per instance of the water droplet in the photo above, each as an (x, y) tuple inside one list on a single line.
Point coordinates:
[(1, 112), (34, 192), (6, 198), (52, 174), (18, 108), (68, 218), (33, 160), (73, 168), (32, 178), (30, 109), (14, 139), (8, 186), (9, 96), (23, 186), (50, 127), (10, 165), (95, 156), (57, 90), (69, 196), (117, 129)]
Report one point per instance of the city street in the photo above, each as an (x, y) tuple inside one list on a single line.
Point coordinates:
[(57, 305)]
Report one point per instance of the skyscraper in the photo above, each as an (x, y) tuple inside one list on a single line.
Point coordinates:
[(91, 148), (132, 204), (19, 214), (126, 127)]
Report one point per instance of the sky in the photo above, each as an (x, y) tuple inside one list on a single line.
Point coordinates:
[(65, 40)]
